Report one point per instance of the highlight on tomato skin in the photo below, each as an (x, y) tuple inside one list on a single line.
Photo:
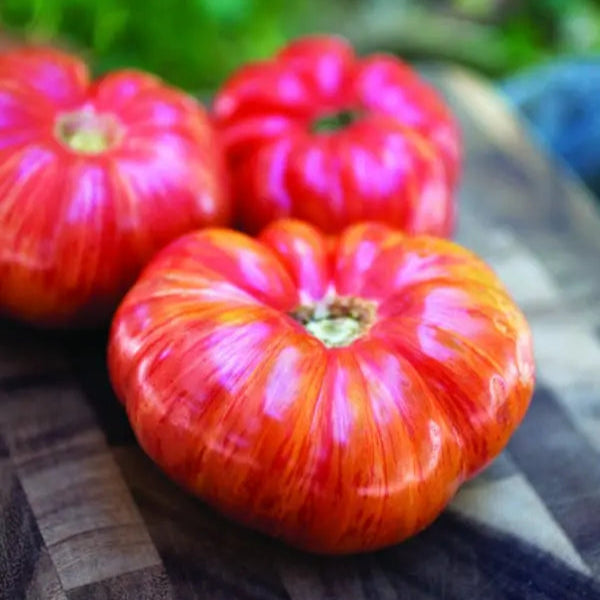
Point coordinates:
[(323, 135), (331, 391), (95, 176)]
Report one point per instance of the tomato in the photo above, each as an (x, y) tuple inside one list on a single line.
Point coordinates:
[(94, 178), (322, 135), (330, 391)]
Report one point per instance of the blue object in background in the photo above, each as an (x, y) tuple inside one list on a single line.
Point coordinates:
[(562, 102)]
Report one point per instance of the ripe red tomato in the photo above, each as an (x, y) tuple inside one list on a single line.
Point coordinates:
[(333, 392), (319, 134), (94, 178)]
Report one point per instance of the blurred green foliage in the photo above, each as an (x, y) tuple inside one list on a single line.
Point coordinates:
[(196, 43), (531, 31), (192, 43)]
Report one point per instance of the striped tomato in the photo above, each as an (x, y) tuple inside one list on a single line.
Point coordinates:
[(94, 178), (322, 135), (333, 392)]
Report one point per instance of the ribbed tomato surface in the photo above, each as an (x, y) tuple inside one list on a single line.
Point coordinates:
[(94, 178), (333, 392), (321, 134)]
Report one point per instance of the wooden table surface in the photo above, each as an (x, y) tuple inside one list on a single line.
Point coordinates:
[(85, 515)]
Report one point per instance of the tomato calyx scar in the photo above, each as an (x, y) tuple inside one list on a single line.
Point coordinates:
[(337, 322), (336, 120), (86, 131)]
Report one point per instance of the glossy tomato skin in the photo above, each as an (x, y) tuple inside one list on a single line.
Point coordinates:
[(397, 163), (334, 449), (77, 226)]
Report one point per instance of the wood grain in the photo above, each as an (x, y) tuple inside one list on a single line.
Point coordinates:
[(83, 508)]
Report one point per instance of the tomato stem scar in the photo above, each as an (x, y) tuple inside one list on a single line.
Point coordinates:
[(335, 121), (337, 322), (86, 131)]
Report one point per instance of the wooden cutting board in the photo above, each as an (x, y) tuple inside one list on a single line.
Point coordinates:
[(85, 515)]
